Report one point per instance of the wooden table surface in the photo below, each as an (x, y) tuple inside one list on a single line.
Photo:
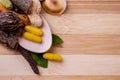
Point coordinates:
[(91, 49)]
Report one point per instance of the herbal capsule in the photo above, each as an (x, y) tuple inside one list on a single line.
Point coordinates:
[(34, 30), (52, 56), (32, 37)]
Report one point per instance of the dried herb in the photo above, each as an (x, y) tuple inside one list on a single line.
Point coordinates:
[(56, 39), (12, 41), (9, 21), (40, 60), (3, 37), (24, 5), (17, 9), (26, 54), (9, 38)]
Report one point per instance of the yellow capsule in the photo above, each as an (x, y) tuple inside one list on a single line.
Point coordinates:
[(34, 30), (48, 56), (32, 37), (52, 56), (57, 57)]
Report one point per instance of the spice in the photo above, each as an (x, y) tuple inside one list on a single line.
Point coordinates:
[(24, 5), (9, 21), (9, 38)]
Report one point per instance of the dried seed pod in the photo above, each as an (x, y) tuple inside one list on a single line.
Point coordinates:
[(29, 58), (9, 21)]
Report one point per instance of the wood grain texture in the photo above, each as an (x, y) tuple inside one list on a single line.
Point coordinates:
[(72, 65), (88, 28), (93, 6), (5, 51), (29, 77), (91, 44), (85, 23)]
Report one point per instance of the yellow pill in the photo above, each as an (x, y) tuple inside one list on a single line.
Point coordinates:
[(52, 56), (57, 57), (48, 56), (34, 30), (32, 37)]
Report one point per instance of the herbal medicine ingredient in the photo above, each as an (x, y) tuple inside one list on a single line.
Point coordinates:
[(32, 37), (34, 30)]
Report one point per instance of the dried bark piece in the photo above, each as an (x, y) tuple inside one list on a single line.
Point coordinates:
[(3, 37), (10, 39), (29, 58), (9, 21), (24, 5), (17, 9)]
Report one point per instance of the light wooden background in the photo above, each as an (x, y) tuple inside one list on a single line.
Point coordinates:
[(91, 50)]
